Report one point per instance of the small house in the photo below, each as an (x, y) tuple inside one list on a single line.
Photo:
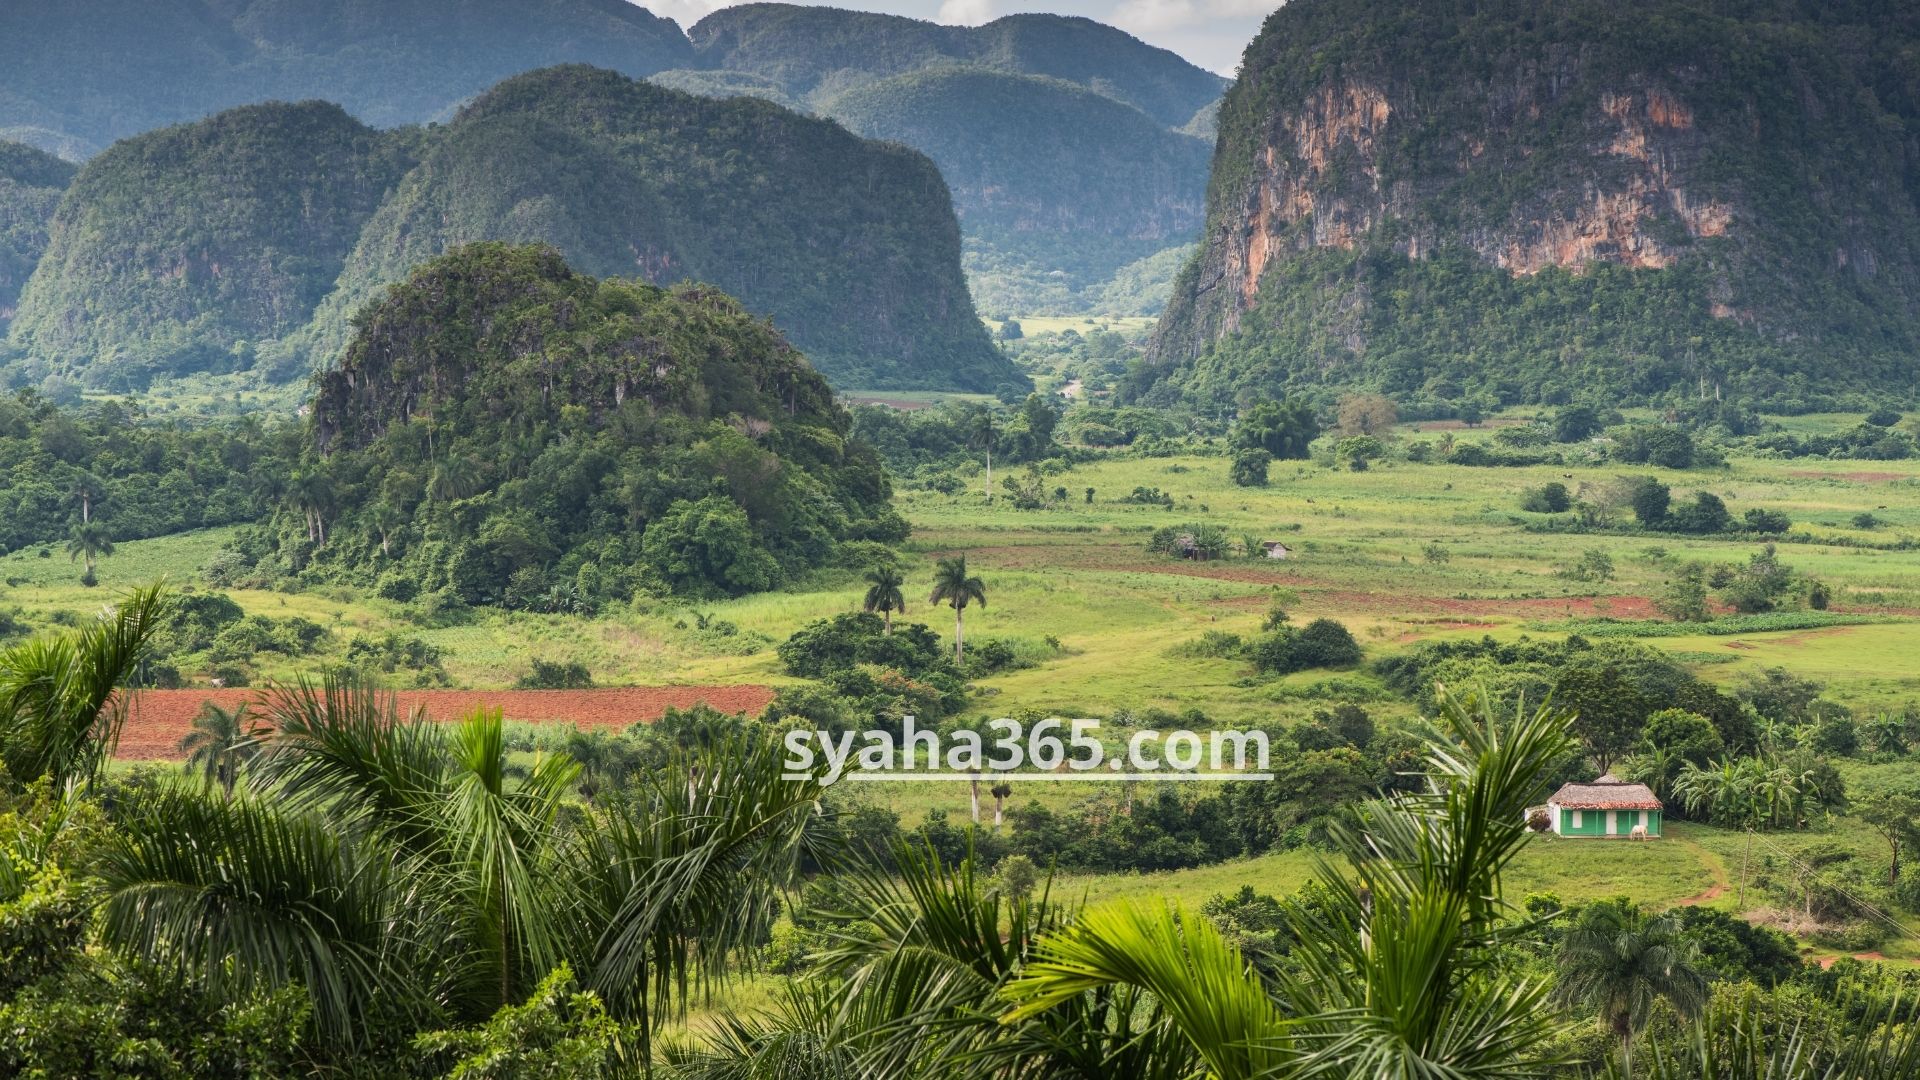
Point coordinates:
[(1276, 549), (1604, 807)]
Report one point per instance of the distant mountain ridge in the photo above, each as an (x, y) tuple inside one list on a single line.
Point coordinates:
[(31, 182), (251, 239), (75, 78)]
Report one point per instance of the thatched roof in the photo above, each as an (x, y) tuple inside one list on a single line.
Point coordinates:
[(1606, 793)]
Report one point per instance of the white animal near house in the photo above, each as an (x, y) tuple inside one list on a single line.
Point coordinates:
[(1639, 832)]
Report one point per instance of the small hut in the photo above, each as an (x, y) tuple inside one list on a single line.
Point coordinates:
[(1276, 549), (1608, 806)]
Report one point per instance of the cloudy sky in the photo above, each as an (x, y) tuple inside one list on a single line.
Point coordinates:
[(1211, 33)]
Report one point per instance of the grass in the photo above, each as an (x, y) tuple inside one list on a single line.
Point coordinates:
[(1079, 574)]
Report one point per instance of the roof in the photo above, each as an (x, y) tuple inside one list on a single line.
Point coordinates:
[(1606, 793)]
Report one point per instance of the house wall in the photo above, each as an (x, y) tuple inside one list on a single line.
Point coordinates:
[(1606, 822)]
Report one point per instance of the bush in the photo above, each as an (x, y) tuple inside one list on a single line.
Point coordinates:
[(1322, 643), (1767, 521), (1553, 498), (1250, 467), (548, 675)]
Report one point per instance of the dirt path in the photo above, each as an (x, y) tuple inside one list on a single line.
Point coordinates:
[(1715, 866)]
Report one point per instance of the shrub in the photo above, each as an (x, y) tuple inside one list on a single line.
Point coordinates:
[(550, 675), (1552, 498), (1322, 643), (1767, 521)]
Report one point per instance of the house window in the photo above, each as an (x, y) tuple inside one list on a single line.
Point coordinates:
[(1576, 819)]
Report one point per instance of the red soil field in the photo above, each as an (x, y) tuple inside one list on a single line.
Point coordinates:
[(159, 718)]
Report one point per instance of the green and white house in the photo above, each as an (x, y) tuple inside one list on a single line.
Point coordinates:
[(1607, 807)]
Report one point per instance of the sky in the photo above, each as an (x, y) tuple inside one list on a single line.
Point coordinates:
[(1211, 33)]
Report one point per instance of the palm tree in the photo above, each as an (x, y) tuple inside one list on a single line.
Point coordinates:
[(386, 518), (62, 701), (221, 742), (1621, 962), (982, 434), (999, 791), (455, 478), (1390, 975), (89, 541), (312, 495), (87, 488), (884, 595), (951, 585)]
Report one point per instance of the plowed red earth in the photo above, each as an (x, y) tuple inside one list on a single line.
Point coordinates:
[(160, 718)]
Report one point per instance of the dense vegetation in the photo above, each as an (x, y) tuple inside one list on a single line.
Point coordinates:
[(387, 61), (211, 247), (184, 249), (30, 185), (1646, 215), (506, 430)]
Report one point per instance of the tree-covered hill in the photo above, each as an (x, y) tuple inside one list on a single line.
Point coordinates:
[(1047, 176), (80, 76), (182, 249), (248, 241), (850, 246), (1628, 201), (30, 185), (818, 52), (504, 429)]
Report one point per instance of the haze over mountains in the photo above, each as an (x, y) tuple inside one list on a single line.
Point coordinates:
[(1053, 132)]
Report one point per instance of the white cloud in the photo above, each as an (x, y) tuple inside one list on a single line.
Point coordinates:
[(1148, 16), (966, 12), (685, 12)]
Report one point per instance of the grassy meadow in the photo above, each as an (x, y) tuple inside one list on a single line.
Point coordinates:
[(1400, 553)]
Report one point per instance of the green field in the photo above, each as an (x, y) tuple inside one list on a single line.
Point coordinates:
[(1079, 574)]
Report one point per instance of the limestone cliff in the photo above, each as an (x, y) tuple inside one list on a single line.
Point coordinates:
[(1532, 201)]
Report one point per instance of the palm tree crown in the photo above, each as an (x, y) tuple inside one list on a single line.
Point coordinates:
[(222, 740), (883, 593), (1620, 961)]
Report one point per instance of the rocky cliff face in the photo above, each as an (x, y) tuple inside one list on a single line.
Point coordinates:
[(1364, 146)]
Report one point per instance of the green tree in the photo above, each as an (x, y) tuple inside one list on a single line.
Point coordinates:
[(1250, 467), (953, 586), (60, 706), (1619, 961), (89, 541), (1609, 711), (884, 595), (221, 742), (1896, 817), (1285, 430), (1685, 597)]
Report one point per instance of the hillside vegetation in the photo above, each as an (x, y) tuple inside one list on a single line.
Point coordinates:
[(247, 241), (30, 185), (76, 78), (503, 429), (1534, 204)]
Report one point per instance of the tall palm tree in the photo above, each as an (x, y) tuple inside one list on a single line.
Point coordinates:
[(386, 519), (89, 541), (63, 698), (87, 489), (951, 585), (312, 495), (1620, 961), (884, 595), (1391, 974), (981, 433), (455, 478), (221, 742)]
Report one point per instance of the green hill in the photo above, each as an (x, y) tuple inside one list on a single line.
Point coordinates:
[(1057, 187), (849, 246), (504, 430), (30, 185), (819, 52), (1635, 201), (180, 250), (78, 77)]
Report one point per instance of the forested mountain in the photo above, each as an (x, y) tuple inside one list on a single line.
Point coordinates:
[(501, 424), (1060, 137), (1631, 201), (1057, 186), (76, 77), (30, 185), (818, 52), (251, 239), (182, 249)]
